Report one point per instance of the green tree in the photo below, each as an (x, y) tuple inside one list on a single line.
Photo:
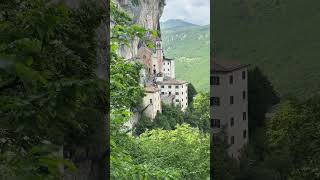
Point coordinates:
[(185, 150), (50, 91), (198, 114), (191, 93), (261, 97)]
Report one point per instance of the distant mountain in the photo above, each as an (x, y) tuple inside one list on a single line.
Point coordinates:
[(175, 24), (189, 45), (280, 37)]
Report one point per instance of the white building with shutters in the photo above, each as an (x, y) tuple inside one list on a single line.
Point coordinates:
[(229, 103)]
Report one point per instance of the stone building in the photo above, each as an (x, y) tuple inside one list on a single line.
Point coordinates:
[(229, 103), (168, 68), (174, 92), (152, 102), (157, 71)]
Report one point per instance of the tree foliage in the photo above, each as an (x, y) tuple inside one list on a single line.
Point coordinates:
[(185, 149), (261, 97), (49, 89)]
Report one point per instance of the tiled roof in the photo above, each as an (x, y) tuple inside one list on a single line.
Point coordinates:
[(223, 65), (151, 89), (172, 81)]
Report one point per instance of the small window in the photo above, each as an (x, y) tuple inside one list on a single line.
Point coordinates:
[(168, 70), (243, 75), (169, 87), (231, 79), (181, 92), (244, 134), (150, 101), (215, 80), (182, 100), (177, 87), (169, 93), (177, 100), (177, 93), (162, 86), (186, 104), (232, 140), (168, 63), (244, 116), (243, 94), (162, 93), (215, 123), (164, 63), (232, 122), (231, 100), (214, 101)]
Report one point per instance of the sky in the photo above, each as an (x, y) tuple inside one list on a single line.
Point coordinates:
[(193, 11)]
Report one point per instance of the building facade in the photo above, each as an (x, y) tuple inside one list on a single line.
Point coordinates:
[(174, 92), (229, 103), (168, 68), (152, 102)]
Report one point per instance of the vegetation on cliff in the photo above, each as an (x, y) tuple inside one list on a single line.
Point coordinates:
[(182, 153)]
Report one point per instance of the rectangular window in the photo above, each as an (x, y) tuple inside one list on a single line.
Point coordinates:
[(162, 86), (231, 79), (214, 80), (244, 116), (215, 123), (150, 101), (214, 101), (177, 93), (231, 100), (169, 93), (169, 87), (243, 75), (232, 122), (232, 140), (177, 100), (162, 93), (177, 87), (243, 94), (244, 134)]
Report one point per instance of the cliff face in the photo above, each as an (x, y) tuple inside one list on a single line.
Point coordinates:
[(146, 13)]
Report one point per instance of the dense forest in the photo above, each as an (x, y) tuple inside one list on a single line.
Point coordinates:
[(279, 36), (175, 145), (276, 38), (52, 98)]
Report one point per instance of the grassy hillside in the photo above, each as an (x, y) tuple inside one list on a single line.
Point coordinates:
[(190, 47), (279, 36)]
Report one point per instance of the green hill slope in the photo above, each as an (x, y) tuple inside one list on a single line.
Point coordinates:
[(175, 24), (190, 47), (279, 36)]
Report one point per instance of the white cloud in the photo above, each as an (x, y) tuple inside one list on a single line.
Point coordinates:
[(193, 11)]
